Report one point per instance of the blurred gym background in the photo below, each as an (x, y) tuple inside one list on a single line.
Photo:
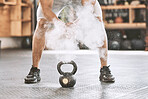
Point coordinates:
[(126, 23)]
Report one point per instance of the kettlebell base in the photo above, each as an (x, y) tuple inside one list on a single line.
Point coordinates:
[(67, 86)]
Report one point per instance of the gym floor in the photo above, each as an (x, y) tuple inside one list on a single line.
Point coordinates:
[(130, 69)]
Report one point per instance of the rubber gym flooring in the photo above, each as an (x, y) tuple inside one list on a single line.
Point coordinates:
[(130, 69)]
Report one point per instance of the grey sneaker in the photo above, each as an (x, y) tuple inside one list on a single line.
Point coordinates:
[(105, 75), (33, 76)]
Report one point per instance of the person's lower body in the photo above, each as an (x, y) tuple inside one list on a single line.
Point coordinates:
[(39, 45), (37, 49), (105, 72)]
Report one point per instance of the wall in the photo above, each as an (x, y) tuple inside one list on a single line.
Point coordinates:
[(10, 43)]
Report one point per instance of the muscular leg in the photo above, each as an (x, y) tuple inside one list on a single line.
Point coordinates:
[(38, 42), (105, 73), (38, 47)]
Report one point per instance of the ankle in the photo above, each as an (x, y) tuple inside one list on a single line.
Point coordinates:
[(33, 66), (103, 66)]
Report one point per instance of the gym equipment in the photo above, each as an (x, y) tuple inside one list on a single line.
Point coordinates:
[(119, 20), (126, 45), (142, 1), (114, 45), (114, 40), (67, 80), (114, 35), (138, 44), (26, 43)]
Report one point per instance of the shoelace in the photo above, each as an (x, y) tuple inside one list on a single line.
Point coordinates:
[(108, 70), (32, 71)]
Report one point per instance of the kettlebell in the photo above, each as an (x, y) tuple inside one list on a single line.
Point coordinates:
[(114, 45), (67, 80), (126, 45), (26, 43), (138, 44)]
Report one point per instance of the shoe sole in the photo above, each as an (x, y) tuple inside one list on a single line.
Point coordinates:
[(26, 82), (32, 81), (107, 81)]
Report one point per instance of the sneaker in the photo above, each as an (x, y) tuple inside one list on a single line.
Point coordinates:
[(33, 76), (105, 75)]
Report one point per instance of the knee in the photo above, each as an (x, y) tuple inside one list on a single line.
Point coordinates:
[(40, 29), (41, 23)]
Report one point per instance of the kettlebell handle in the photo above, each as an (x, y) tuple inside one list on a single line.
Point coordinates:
[(62, 63)]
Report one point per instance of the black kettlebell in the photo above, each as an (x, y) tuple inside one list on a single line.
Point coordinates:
[(126, 45), (138, 44), (114, 45), (27, 42), (67, 80)]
